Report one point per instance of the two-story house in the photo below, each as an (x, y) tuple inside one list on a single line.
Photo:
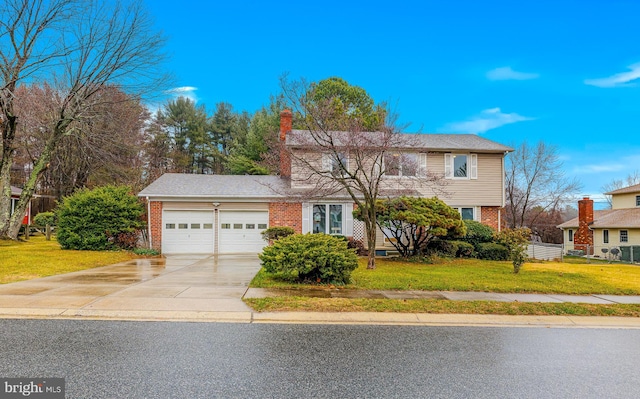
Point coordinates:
[(616, 228), (226, 213)]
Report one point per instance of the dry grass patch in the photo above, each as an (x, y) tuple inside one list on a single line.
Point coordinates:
[(24, 260)]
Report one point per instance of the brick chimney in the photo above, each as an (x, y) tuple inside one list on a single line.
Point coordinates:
[(286, 121), (583, 239)]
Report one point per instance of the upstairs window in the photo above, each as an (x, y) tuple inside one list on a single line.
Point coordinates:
[(335, 163), (461, 166), (637, 200), (404, 164)]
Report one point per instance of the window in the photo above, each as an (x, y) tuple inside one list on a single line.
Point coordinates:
[(207, 226), (237, 226), (637, 200), (171, 226), (624, 236), (262, 226), (335, 163), (466, 213), (461, 166), (401, 164), (195, 225), (605, 236), (225, 226), (183, 226), (334, 223), (249, 226), (570, 235)]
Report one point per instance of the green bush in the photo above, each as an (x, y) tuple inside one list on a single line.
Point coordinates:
[(277, 232), (492, 251), (99, 219), (311, 258), (477, 233), (446, 248), (464, 249), (44, 219), (146, 252)]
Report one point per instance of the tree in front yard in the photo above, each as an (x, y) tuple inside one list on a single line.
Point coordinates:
[(410, 223), (103, 218), (516, 241)]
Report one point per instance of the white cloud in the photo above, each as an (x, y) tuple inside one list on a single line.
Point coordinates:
[(599, 168), (488, 119), (618, 80), (506, 73), (184, 91)]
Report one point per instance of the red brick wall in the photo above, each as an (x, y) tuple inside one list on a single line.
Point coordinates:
[(583, 238), (286, 214), (156, 224), (490, 216), (286, 122)]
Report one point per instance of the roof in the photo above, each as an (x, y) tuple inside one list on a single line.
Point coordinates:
[(437, 142), (216, 186), (626, 190), (15, 191), (628, 218)]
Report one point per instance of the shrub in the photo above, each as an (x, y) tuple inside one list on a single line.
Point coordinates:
[(439, 247), (145, 252), (492, 251), (358, 245), (314, 258), (44, 219), (477, 233), (464, 249), (97, 219), (277, 232), (516, 241)]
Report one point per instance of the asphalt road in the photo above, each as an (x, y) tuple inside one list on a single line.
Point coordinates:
[(111, 359)]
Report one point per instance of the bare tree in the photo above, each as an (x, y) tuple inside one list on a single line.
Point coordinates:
[(535, 184), (332, 153), (632, 179), (78, 47)]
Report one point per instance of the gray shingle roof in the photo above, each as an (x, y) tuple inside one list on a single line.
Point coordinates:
[(437, 142), (216, 186), (612, 218)]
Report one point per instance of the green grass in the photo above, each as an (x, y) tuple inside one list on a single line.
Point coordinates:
[(24, 260), (436, 306), (487, 276)]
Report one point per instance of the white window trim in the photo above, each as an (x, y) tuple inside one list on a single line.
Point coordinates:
[(421, 167), (626, 235), (476, 213), (608, 236), (472, 166), (347, 216)]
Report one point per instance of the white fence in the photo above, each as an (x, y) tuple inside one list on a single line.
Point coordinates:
[(543, 251)]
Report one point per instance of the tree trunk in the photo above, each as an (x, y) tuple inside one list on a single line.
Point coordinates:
[(370, 226)]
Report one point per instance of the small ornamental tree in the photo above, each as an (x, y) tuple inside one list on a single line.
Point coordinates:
[(103, 218), (516, 241), (410, 223)]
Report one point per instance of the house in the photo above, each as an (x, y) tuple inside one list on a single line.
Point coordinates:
[(225, 213), (601, 231), (15, 197)]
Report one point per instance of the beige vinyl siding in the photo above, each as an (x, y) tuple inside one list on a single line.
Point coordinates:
[(621, 201), (486, 190), (226, 206), (614, 237)]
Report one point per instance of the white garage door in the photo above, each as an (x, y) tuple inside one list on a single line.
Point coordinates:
[(240, 231), (187, 232)]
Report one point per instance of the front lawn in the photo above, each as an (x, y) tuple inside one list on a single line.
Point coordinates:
[(487, 276), (37, 257)]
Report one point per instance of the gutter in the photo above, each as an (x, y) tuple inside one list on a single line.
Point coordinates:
[(149, 222)]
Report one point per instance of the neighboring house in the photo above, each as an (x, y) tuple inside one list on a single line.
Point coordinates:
[(15, 196), (226, 213), (618, 227)]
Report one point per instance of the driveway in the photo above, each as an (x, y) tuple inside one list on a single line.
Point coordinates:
[(185, 286)]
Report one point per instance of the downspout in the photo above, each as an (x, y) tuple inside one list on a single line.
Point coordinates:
[(149, 223)]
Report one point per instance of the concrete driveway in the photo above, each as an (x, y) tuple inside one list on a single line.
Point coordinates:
[(184, 287)]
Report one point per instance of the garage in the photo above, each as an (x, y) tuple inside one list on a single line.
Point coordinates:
[(240, 231), (188, 232)]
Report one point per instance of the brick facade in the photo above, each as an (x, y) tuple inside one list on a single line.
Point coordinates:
[(155, 219), (583, 238), (286, 123), (286, 214), (490, 216)]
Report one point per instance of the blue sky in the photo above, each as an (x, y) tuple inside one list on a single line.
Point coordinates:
[(565, 72)]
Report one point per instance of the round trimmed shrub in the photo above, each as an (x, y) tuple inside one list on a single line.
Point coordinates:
[(45, 219), (104, 218), (311, 258), (277, 232), (492, 251), (464, 249), (477, 233)]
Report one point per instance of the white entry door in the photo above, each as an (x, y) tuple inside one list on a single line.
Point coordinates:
[(187, 232), (240, 231)]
